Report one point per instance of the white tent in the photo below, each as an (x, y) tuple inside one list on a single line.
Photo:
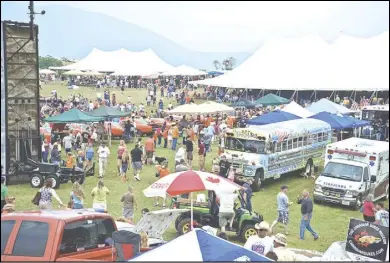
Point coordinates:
[(122, 62), (310, 63), (325, 105), (183, 70), (46, 71), (214, 107), (297, 110)]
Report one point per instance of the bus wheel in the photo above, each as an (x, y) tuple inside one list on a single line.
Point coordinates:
[(257, 180)]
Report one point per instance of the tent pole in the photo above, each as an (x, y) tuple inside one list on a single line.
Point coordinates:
[(312, 94), (259, 93), (330, 97), (192, 212), (297, 96), (292, 97)]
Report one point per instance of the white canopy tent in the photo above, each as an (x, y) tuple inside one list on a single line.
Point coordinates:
[(297, 110), (46, 71), (325, 105), (310, 63), (184, 70), (122, 62), (213, 107)]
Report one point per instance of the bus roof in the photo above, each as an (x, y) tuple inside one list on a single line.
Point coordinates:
[(377, 107), (284, 129), (363, 145)]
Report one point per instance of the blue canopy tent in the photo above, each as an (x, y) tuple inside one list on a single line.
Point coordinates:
[(215, 73), (335, 121), (198, 245), (272, 117), (358, 123)]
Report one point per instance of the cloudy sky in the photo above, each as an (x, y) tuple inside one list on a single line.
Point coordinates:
[(242, 26)]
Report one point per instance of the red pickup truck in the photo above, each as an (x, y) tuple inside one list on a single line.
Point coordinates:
[(68, 235)]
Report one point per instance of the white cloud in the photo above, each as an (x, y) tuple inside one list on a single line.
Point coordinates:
[(235, 26)]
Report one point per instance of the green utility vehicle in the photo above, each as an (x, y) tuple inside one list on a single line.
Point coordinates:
[(206, 214)]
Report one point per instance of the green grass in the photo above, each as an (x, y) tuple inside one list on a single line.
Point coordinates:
[(331, 222)]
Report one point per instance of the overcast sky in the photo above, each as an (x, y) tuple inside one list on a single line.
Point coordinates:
[(242, 26)]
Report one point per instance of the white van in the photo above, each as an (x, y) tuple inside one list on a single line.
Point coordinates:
[(354, 168)]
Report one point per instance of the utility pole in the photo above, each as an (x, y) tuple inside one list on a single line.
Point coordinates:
[(32, 16)]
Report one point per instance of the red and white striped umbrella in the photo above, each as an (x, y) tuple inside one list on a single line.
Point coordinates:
[(188, 182)]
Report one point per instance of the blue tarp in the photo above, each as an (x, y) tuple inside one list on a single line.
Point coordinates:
[(358, 123), (198, 245), (337, 122), (272, 117)]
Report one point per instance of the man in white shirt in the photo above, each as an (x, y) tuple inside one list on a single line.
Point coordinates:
[(103, 153), (67, 141), (226, 209), (261, 243)]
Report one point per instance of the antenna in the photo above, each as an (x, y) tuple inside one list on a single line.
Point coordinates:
[(32, 16)]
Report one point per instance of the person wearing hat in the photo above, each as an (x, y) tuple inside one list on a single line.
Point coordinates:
[(260, 243), (103, 153), (281, 250), (283, 209)]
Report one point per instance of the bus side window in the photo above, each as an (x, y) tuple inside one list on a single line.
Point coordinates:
[(295, 143), (290, 144), (305, 141), (320, 137), (278, 147), (300, 141), (284, 146)]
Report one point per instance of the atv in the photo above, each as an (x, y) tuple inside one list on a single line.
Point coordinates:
[(206, 214), (59, 175)]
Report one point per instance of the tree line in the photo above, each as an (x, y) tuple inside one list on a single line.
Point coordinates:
[(226, 64)]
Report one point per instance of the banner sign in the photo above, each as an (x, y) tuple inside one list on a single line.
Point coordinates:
[(367, 240)]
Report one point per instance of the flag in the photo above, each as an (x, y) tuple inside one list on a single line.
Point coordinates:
[(355, 106)]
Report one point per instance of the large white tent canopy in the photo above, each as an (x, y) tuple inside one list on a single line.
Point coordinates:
[(184, 70), (122, 62), (310, 63), (297, 110)]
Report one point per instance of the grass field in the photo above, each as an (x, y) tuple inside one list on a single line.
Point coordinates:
[(331, 222)]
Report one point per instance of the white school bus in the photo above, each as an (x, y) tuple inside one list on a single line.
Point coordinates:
[(276, 148)]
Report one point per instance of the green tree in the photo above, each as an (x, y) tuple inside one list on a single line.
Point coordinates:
[(49, 61)]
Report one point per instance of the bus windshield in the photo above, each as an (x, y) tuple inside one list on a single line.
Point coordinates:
[(343, 171), (243, 145)]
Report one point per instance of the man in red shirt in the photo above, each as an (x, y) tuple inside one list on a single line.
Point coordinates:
[(201, 155), (149, 150)]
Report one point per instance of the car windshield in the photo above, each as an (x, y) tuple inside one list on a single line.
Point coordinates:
[(243, 145), (343, 171)]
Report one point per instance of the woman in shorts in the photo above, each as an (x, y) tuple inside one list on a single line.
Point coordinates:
[(121, 150), (124, 165)]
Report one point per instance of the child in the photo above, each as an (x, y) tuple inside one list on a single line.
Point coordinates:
[(80, 160), (215, 167), (232, 174), (162, 172), (69, 160)]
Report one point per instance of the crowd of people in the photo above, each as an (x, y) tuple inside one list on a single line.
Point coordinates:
[(185, 137)]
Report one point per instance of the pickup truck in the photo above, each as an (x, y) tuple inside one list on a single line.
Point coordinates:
[(63, 235)]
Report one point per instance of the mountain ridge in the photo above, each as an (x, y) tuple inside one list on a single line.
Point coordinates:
[(96, 30)]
